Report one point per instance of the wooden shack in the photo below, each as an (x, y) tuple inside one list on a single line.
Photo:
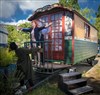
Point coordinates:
[(73, 38)]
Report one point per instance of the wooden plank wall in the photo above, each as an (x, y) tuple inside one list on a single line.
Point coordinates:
[(83, 48), (80, 31)]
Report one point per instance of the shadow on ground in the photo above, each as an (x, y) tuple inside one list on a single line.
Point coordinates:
[(93, 76), (95, 84), (84, 66)]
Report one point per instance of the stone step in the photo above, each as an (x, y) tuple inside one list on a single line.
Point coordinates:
[(81, 90), (69, 76), (72, 84)]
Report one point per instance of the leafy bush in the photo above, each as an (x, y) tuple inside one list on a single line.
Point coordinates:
[(6, 57), (6, 80), (7, 84)]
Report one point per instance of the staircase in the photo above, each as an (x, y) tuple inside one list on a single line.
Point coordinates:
[(72, 83)]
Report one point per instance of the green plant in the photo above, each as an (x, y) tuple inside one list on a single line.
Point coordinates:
[(6, 57), (7, 84), (47, 89)]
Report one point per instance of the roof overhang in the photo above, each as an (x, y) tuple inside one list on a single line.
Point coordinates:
[(47, 9), (55, 8)]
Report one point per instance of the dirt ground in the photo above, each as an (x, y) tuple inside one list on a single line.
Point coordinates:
[(92, 73)]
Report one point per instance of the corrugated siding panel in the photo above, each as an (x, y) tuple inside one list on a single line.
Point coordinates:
[(84, 50)]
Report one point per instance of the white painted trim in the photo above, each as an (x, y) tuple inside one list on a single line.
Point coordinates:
[(68, 38), (88, 40), (76, 38)]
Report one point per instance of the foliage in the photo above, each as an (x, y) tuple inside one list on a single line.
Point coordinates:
[(17, 36), (87, 13), (63, 2), (7, 84), (97, 23), (25, 25), (98, 13), (6, 57), (70, 4)]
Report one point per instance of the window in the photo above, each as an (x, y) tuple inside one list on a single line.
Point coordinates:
[(57, 31), (87, 30), (68, 24)]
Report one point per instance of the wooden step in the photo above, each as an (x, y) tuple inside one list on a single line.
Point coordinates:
[(81, 90), (69, 76), (72, 84)]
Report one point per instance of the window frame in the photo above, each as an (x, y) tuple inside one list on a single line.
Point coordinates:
[(87, 30)]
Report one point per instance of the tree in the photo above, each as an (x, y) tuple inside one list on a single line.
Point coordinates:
[(63, 2), (97, 23), (25, 25), (17, 36), (70, 4), (98, 13), (88, 14)]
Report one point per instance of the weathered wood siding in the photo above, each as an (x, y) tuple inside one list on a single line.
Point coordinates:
[(79, 30), (84, 48), (93, 34)]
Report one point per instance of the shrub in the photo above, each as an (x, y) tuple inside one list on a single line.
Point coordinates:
[(6, 57), (6, 84)]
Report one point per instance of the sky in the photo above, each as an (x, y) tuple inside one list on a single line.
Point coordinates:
[(18, 11)]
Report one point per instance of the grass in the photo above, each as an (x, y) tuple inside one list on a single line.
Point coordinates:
[(47, 89), (93, 76)]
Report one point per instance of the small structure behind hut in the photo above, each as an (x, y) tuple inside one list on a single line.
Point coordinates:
[(3, 36)]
